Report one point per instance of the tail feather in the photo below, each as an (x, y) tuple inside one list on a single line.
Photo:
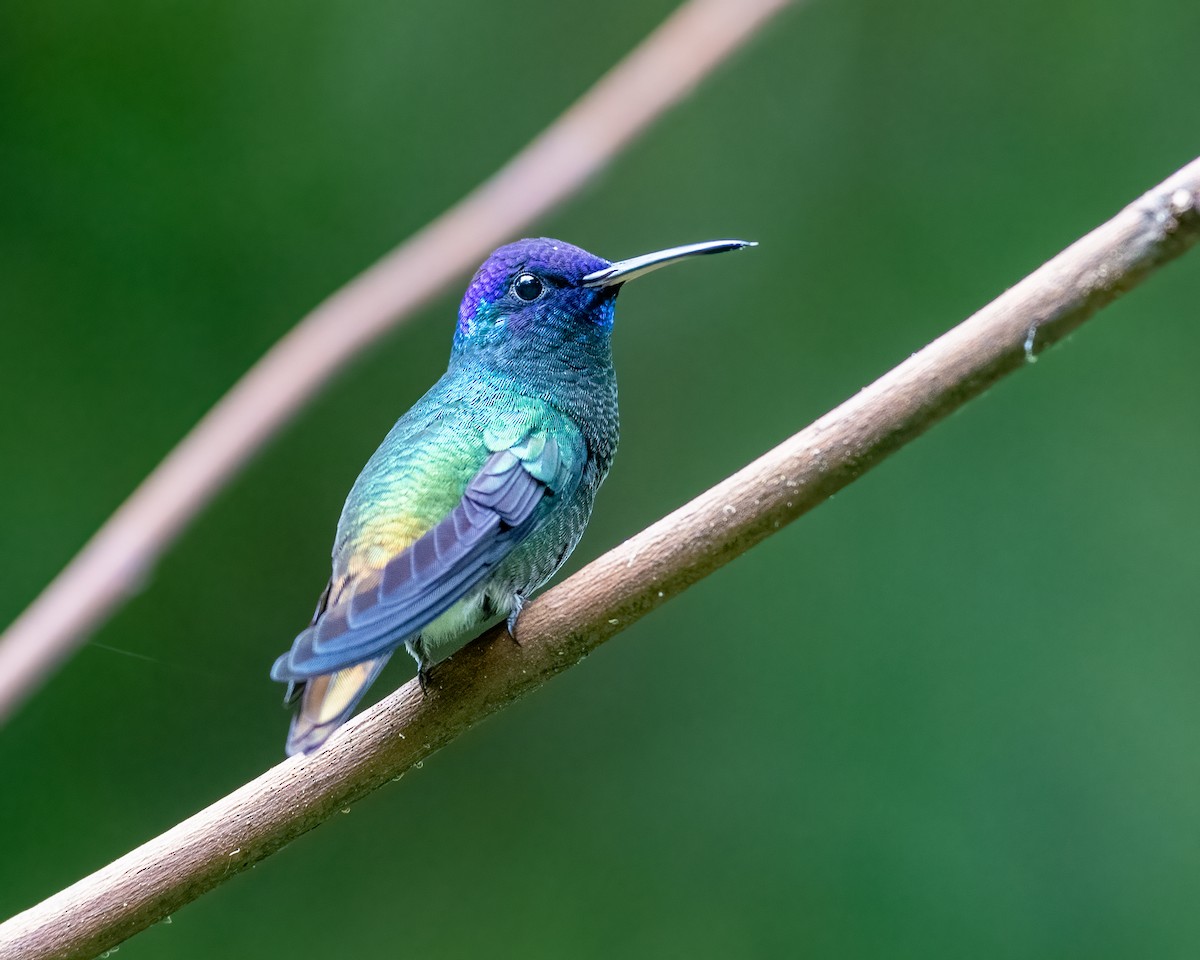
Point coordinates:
[(326, 702)]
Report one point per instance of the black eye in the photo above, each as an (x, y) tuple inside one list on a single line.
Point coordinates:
[(528, 287)]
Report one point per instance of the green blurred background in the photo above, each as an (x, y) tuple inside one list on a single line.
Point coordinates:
[(951, 713)]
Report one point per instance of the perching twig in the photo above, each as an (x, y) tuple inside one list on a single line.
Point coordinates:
[(660, 72), (563, 626)]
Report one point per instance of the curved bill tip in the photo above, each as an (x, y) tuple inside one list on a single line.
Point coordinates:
[(624, 270)]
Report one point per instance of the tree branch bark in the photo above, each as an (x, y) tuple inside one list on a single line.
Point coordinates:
[(560, 628), (655, 76)]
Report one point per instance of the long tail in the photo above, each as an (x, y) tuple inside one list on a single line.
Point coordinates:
[(326, 702)]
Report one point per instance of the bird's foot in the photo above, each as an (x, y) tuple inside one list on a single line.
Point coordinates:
[(423, 679), (517, 606)]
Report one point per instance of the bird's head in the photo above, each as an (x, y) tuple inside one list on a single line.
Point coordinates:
[(546, 296)]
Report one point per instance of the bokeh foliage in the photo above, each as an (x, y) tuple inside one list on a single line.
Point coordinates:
[(951, 713)]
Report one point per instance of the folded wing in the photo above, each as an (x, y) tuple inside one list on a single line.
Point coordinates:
[(498, 509)]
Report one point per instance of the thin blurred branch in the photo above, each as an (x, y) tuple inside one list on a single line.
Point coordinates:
[(656, 75), (560, 628)]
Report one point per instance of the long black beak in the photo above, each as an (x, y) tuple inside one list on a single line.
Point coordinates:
[(624, 270)]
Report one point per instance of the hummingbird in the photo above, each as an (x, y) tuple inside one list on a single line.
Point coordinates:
[(480, 492)]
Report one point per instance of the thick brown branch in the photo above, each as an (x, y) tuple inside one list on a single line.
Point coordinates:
[(660, 72), (564, 625)]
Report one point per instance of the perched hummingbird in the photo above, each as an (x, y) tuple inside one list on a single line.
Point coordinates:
[(481, 491)]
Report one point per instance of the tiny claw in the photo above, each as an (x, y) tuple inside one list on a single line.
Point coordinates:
[(518, 604), (423, 680)]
